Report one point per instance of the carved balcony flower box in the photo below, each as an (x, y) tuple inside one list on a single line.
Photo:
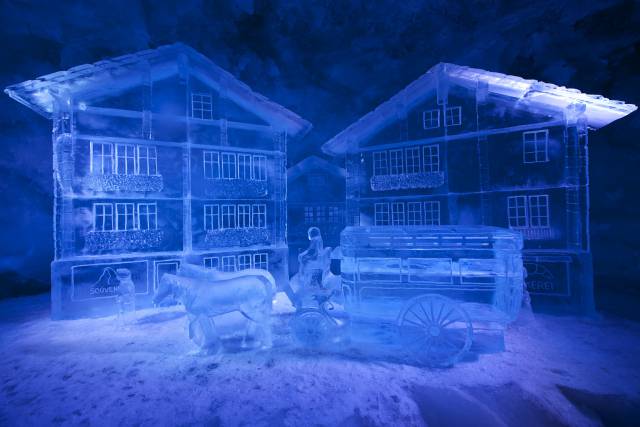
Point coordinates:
[(237, 237), (123, 241), (124, 183), (407, 181), (235, 188)]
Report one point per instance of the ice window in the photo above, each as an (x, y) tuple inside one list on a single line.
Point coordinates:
[(259, 168), (430, 270), (320, 215), (517, 211), (201, 106), (260, 261), (147, 216), (308, 214), (259, 216), (431, 158), (431, 119), (228, 216), (380, 166), (535, 146), (211, 217), (244, 262), (101, 158), (412, 156), (244, 166), (396, 162), (125, 159), (453, 116), (103, 217), (125, 216), (244, 216), (229, 167), (211, 164), (397, 213), (539, 211), (335, 215), (211, 262), (379, 269), (414, 213), (147, 160), (432, 213), (382, 214), (229, 263)]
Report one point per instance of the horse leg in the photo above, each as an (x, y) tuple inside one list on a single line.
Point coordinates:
[(202, 331)]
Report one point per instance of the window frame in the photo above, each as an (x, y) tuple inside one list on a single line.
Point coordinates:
[(379, 214), (148, 214), (259, 169), (126, 159), (228, 167), (396, 163), (514, 221), (429, 212), (245, 215), (104, 216), (538, 155), (382, 159), (92, 155), (416, 159), (448, 114), (259, 211), (412, 219), (239, 264), (424, 119), (539, 216), (258, 264), (126, 215), (224, 266), (209, 260), (214, 165), (148, 160), (428, 152), (204, 105), (397, 213), (228, 217), (214, 212), (248, 167)]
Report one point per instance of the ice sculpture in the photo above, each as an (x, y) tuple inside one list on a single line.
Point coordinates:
[(207, 293), (126, 297), (433, 285), (466, 146), (160, 155)]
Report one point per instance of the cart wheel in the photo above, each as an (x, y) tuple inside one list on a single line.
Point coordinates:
[(435, 329), (311, 328)]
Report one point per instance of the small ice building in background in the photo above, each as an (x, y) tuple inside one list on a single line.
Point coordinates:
[(467, 146), (156, 155), (315, 199)]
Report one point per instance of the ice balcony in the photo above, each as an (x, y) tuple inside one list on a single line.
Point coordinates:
[(235, 188), (124, 182), (237, 237), (123, 241), (407, 181)]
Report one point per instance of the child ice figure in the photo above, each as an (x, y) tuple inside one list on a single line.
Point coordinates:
[(311, 260)]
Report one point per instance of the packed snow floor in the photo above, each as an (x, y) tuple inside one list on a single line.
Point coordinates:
[(554, 371)]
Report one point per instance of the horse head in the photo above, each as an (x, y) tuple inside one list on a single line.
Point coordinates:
[(165, 288)]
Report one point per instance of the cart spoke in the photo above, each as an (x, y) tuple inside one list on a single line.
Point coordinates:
[(418, 317), (429, 319)]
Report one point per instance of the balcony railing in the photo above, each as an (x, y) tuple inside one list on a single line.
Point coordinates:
[(407, 181), (123, 241), (237, 237), (124, 183), (235, 188)]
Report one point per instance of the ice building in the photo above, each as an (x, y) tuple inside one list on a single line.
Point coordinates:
[(156, 155), (467, 146), (316, 198)]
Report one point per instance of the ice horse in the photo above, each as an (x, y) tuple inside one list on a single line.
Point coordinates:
[(206, 293)]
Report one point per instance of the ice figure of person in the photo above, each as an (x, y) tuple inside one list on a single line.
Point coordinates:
[(311, 260)]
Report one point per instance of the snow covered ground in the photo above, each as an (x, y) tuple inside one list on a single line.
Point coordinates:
[(554, 371)]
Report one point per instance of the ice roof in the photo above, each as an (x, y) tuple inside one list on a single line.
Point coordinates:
[(598, 110), (314, 163), (118, 73)]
